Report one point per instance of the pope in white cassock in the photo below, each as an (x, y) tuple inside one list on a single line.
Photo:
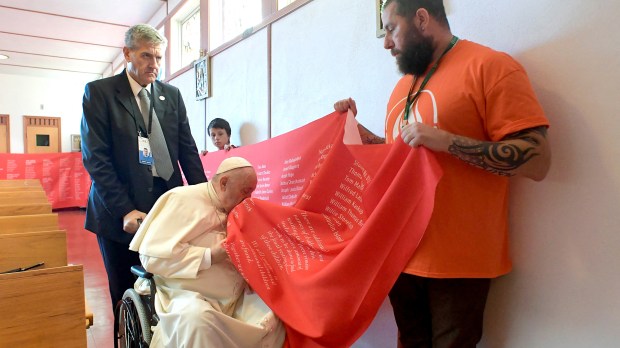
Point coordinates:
[(202, 301)]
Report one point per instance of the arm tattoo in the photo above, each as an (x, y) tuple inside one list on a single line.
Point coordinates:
[(531, 135), (502, 157)]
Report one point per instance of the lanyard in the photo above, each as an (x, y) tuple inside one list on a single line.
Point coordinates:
[(151, 108), (411, 99)]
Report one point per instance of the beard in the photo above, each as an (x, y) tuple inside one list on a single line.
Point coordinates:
[(416, 55)]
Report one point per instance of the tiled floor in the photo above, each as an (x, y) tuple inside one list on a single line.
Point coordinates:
[(83, 249)]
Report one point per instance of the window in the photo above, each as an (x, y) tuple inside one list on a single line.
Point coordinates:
[(43, 140), (162, 66), (229, 18), (190, 38), (283, 3), (184, 40)]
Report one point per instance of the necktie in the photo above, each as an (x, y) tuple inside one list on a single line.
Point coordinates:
[(161, 156)]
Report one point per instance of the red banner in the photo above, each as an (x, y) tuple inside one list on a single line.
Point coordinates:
[(325, 264), (62, 175), (286, 163)]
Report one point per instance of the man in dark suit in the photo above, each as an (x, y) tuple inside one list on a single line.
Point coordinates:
[(122, 115)]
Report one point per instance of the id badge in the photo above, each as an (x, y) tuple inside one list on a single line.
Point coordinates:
[(144, 151)]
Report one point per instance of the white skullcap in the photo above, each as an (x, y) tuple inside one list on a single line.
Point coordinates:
[(232, 163)]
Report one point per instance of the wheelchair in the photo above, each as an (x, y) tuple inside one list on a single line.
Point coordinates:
[(136, 314)]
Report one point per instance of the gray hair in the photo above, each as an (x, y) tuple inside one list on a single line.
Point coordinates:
[(143, 33)]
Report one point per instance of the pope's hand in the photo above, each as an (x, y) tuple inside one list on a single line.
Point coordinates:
[(218, 253)]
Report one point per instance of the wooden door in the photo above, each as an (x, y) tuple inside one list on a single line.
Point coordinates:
[(41, 134), (5, 134)]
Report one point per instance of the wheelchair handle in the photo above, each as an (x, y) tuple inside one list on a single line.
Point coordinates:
[(141, 272)]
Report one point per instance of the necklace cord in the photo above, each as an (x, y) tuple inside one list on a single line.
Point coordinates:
[(412, 99)]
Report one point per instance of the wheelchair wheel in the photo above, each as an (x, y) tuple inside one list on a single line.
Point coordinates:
[(134, 329)]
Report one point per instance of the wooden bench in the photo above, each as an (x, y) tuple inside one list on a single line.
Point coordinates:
[(22, 200), (28, 223), (24, 194), (43, 308), (25, 249), (20, 250), (23, 197), (19, 188), (25, 209), (90, 317), (26, 240), (21, 183)]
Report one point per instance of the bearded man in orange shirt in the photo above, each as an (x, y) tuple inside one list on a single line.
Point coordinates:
[(476, 110)]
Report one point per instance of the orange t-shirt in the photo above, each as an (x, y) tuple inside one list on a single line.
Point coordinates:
[(482, 94)]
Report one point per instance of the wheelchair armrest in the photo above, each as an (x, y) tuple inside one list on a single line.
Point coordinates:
[(141, 272)]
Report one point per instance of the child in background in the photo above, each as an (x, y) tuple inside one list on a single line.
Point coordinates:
[(219, 131)]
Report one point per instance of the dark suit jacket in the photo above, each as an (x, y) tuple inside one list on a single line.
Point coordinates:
[(110, 125)]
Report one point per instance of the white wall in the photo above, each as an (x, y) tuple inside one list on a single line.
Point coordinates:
[(334, 55), (58, 95), (564, 290), (239, 90), (195, 108)]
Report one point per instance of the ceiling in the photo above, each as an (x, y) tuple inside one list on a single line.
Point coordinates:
[(51, 37)]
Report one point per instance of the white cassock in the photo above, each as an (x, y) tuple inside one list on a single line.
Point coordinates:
[(199, 308)]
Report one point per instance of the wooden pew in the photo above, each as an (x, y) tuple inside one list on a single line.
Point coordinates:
[(23, 197), (43, 308), (28, 223), (26, 249), (20, 250), (10, 226), (25, 209), (21, 183), (18, 245), (16, 195), (29, 199), (19, 189)]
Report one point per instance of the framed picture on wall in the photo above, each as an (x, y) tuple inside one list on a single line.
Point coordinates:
[(76, 143), (380, 30), (202, 70)]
